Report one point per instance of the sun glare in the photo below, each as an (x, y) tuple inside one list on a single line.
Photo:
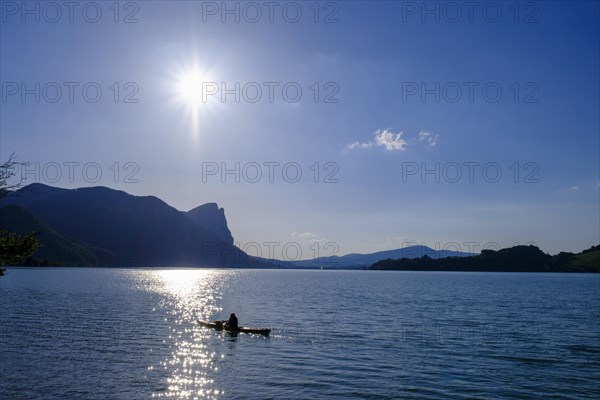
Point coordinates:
[(187, 86)]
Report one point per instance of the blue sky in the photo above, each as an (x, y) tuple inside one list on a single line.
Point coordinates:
[(391, 75)]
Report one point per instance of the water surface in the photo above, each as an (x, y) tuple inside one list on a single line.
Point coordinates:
[(130, 334)]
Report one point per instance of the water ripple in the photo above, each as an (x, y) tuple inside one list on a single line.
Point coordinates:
[(130, 334)]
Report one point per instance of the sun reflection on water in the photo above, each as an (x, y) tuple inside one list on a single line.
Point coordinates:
[(188, 295)]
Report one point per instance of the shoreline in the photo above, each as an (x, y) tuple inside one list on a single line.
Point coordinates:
[(479, 271)]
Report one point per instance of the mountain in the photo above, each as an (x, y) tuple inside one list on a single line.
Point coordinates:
[(212, 218), (121, 229), (55, 246), (513, 259), (98, 226), (356, 260)]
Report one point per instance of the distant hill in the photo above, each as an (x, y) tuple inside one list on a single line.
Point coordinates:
[(513, 259), (361, 261), (110, 227), (587, 258)]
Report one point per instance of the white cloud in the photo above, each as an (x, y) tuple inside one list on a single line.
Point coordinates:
[(303, 235), (574, 188), (307, 237), (383, 137), (358, 145), (394, 142), (429, 137), (391, 141)]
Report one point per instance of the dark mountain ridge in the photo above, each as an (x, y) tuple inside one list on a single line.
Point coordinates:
[(212, 218), (131, 230), (56, 246), (98, 226)]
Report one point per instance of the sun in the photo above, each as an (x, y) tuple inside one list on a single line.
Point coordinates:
[(189, 87), (187, 84)]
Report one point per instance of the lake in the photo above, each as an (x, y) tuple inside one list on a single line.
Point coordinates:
[(131, 334)]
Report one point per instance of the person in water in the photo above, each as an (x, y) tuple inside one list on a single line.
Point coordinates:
[(232, 322)]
